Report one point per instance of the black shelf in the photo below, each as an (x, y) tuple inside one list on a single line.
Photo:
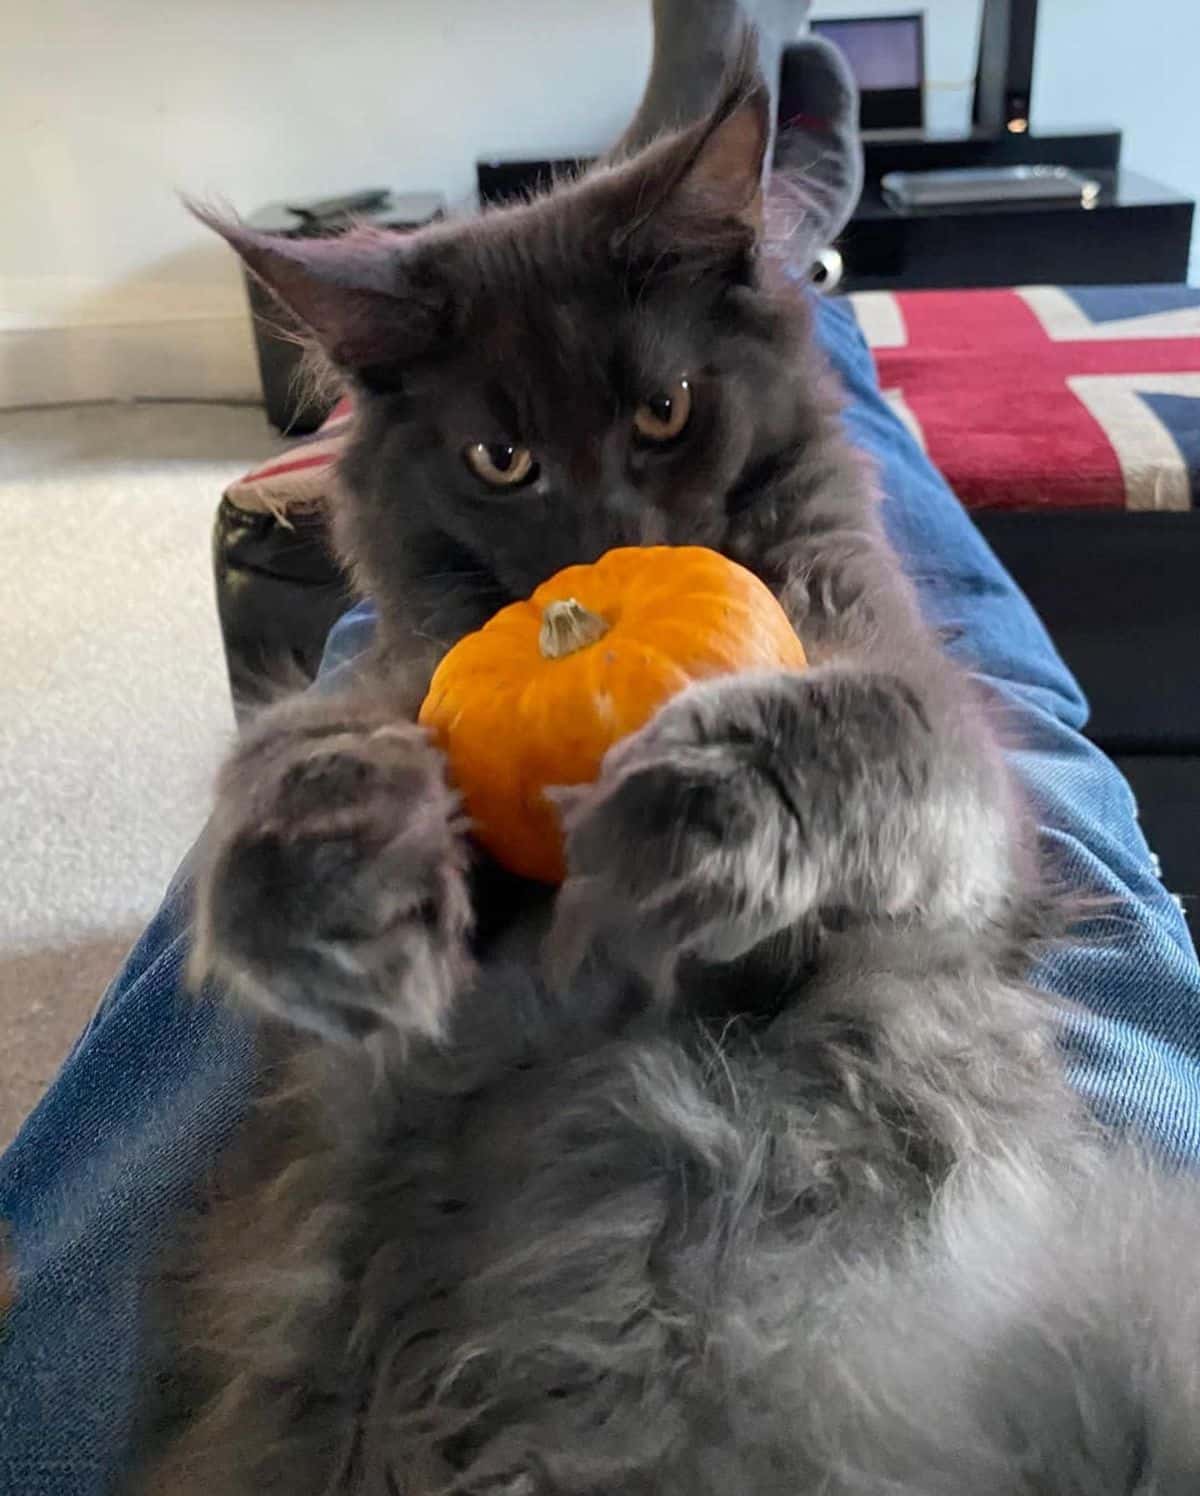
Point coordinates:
[(1137, 232)]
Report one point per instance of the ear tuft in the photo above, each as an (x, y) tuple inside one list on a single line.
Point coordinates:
[(726, 172), (353, 292), (701, 190)]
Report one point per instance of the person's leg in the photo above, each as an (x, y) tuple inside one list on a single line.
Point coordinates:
[(818, 152), (88, 1192), (1134, 1047), (817, 149), (694, 43)]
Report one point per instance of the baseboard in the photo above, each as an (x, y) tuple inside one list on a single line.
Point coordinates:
[(208, 358)]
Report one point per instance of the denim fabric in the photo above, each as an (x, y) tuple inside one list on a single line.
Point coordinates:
[(1135, 1051), (145, 1099), (158, 1079)]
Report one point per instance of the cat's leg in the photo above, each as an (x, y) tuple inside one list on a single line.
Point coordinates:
[(333, 893), (753, 802)]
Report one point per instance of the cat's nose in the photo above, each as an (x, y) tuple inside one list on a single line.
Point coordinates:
[(623, 501), (587, 468), (630, 520)]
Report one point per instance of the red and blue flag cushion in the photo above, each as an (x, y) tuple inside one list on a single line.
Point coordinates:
[(1047, 397), (297, 479)]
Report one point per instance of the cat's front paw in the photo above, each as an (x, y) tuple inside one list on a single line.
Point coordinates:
[(687, 845), (334, 893)]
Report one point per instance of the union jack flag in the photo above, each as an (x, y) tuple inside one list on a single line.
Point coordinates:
[(1045, 396)]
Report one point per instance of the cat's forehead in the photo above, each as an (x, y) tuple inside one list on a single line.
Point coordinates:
[(573, 359), (538, 255), (544, 297)]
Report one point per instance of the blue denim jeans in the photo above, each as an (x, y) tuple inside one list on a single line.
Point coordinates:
[(158, 1079)]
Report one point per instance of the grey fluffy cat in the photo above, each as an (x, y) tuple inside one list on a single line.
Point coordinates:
[(745, 1163)]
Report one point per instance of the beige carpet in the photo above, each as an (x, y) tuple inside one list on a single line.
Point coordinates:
[(114, 707)]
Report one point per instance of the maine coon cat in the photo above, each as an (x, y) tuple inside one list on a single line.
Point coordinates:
[(744, 1163)]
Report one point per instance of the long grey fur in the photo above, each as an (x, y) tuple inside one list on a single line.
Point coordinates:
[(745, 1163)]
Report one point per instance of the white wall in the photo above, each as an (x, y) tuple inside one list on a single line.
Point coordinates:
[(108, 110)]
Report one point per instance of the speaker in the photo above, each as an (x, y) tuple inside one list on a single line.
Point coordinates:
[(1004, 77)]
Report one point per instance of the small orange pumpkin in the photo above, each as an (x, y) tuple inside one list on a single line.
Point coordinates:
[(537, 696)]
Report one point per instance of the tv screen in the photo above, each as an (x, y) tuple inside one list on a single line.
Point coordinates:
[(887, 57)]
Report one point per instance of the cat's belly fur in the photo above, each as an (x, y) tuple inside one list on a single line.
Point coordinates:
[(617, 1256)]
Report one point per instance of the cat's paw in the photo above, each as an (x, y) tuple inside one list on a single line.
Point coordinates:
[(687, 845), (751, 803), (334, 893)]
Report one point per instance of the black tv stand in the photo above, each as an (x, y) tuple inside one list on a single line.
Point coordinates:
[(1137, 232)]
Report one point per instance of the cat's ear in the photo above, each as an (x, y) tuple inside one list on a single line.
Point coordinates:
[(358, 294), (723, 177), (705, 185)]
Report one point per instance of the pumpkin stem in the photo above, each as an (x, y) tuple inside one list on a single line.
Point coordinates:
[(568, 626)]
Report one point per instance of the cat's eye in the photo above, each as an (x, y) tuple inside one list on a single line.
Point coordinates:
[(663, 416), (501, 465)]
